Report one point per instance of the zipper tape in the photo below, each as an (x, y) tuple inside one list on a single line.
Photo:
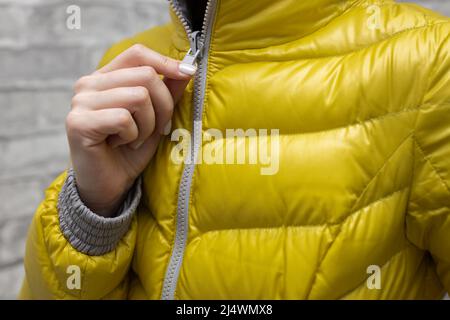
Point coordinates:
[(198, 52)]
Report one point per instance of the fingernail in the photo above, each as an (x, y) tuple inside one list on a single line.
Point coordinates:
[(136, 145), (188, 69), (167, 128)]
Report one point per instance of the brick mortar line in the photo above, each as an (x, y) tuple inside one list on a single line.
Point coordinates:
[(40, 178), (11, 264), (41, 133), (127, 5), (36, 85), (24, 216), (45, 179), (51, 133), (5, 220), (89, 41)]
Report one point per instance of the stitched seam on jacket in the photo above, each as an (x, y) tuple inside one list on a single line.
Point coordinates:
[(403, 249), (351, 5), (334, 241), (432, 71), (427, 158), (353, 208), (363, 122), (380, 170), (353, 124), (369, 46), (337, 223), (47, 210), (355, 204)]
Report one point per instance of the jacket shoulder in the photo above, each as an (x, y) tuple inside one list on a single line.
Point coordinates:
[(388, 17), (157, 38), (417, 11)]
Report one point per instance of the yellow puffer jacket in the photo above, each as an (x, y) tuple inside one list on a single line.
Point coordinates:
[(359, 204)]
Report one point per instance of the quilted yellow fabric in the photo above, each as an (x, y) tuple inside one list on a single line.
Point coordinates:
[(360, 93)]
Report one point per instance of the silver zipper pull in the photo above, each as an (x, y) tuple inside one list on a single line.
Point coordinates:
[(189, 63)]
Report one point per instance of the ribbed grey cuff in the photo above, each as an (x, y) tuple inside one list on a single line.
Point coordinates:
[(88, 232)]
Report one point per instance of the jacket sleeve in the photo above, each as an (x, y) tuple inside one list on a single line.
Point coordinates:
[(428, 219), (72, 253)]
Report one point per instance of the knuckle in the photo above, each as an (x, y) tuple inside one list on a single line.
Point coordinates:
[(150, 74), (81, 84), (167, 111), (151, 125), (140, 94), (124, 119), (80, 99), (72, 123), (164, 110), (76, 101), (148, 70), (138, 51)]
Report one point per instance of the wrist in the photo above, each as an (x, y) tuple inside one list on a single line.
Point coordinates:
[(101, 195), (103, 204), (87, 231)]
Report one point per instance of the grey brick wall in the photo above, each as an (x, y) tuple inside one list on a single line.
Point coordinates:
[(39, 61), (40, 58)]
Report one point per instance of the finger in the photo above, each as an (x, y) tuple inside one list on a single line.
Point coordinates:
[(135, 99), (133, 77), (148, 148), (95, 126), (176, 88), (139, 55)]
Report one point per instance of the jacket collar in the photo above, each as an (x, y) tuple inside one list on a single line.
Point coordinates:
[(253, 24)]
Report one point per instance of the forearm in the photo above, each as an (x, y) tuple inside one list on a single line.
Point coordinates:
[(87, 231)]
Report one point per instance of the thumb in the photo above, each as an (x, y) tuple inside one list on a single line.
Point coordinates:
[(176, 88)]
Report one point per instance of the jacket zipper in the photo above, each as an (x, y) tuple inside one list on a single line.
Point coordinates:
[(197, 54), (189, 63)]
